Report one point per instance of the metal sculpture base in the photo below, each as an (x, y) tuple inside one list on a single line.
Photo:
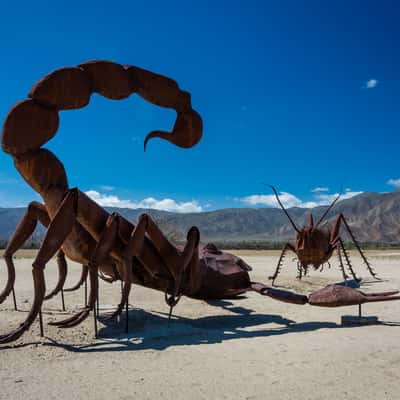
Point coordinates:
[(359, 319)]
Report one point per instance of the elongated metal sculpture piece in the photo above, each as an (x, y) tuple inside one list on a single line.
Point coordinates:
[(315, 245), (109, 246)]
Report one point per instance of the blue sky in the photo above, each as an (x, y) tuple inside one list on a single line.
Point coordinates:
[(303, 95)]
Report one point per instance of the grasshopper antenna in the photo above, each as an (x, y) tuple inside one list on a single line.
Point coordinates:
[(283, 208), (330, 207)]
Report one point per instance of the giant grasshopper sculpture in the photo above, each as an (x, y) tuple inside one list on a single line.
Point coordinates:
[(110, 246), (316, 244)]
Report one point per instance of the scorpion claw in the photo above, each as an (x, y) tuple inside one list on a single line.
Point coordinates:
[(338, 296)]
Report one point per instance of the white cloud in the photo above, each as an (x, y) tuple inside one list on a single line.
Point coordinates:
[(394, 182), (290, 200), (320, 189), (106, 187), (287, 199), (106, 200), (323, 199), (370, 84)]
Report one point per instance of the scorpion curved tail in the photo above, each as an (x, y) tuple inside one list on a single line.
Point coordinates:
[(32, 122)]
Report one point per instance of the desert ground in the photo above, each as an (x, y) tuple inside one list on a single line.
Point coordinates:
[(248, 348)]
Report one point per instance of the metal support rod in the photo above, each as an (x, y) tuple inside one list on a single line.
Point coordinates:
[(170, 314), (98, 302), (86, 292), (41, 323), (120, 315), (14, 300), (359, 311), (95, 320), (62, 300), (127, 316)]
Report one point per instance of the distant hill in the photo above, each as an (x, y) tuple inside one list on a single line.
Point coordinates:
[(374, 217)]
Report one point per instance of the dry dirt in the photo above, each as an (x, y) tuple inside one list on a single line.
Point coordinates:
[(248, 348)]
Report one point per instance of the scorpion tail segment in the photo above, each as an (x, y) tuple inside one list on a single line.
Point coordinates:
[(278, 294), (40, 288), (28, 126), (10, 279), (82, 315), (82, 279), (109, 79), (62, 276), (63, 89), (187, 131)]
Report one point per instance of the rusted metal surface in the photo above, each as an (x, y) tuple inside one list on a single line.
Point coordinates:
[(337, 296), (109, 246), (315, 245)]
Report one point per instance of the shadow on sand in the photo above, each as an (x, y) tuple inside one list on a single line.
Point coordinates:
[(151, 330)]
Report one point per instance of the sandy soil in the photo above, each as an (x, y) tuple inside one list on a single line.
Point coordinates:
[(249, 348)]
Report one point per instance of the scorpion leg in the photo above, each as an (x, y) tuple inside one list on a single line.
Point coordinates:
[(35, 212), (102, 250), (133, 247), (176, 261), (59, 228), (62, 275), (82, 279), (279, 265)]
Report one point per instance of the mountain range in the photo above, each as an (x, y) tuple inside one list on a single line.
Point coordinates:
[(373, 217)]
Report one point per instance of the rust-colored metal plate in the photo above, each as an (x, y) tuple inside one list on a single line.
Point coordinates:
[(158, 89), (63, 89), (336, 296), (28, 125), (187, 131), (108, 79)]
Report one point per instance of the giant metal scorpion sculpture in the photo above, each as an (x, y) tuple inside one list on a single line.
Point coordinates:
[(315, 246), (110, 246)]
